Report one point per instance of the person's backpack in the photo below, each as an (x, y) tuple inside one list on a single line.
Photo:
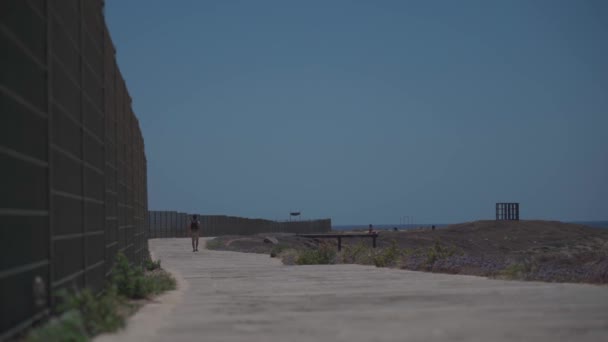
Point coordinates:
[(194, 225)]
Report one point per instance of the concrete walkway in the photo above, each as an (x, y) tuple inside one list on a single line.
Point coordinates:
[(227, 296)]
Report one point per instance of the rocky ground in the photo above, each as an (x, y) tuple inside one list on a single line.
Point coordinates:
[(526, 250)]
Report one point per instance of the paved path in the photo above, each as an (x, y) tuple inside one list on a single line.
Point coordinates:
[(227, 296)]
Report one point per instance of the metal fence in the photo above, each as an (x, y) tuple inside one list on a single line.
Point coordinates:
[(507, 211), (175, 224), (72, 163)]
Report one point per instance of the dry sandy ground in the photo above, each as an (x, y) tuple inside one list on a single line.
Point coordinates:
[(231, 296)]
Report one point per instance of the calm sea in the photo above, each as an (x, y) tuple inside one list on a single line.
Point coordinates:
[(597, 224)]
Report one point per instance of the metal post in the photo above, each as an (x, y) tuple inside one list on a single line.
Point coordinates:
[(49, 70), (82, 140)]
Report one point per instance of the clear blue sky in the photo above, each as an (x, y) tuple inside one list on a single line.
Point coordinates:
[(367, 111)]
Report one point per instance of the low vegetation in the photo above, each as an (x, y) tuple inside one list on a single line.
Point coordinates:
[(68, 326), (588, 266), (356, 254), (390, 256), (523, 250), (277, 250), (81, 315), (132, 282), (515, 271), (151, 265), (213, 244), (324, 255)]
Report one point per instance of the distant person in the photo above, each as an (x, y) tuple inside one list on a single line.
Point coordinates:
[(370, 229), (195, 225), (433, 227)]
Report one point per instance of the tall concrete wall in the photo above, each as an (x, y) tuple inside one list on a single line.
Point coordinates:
[(175, 224), (72, 163)]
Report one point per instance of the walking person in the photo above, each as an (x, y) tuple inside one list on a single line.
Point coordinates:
[(195, 225)]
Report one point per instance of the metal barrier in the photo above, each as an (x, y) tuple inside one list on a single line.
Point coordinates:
[(175, 224), (72, 161)]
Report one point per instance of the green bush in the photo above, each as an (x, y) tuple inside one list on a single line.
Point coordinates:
[(289, 256), (160, 281), (358, 254), (67, 327), (324, 255), (276, 250), (99, 313), (85, 314), (151, 265), (129, 280), (438, 252), (364, 255), (408, 252), (516, 271), (213, 244), (387, 256)]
